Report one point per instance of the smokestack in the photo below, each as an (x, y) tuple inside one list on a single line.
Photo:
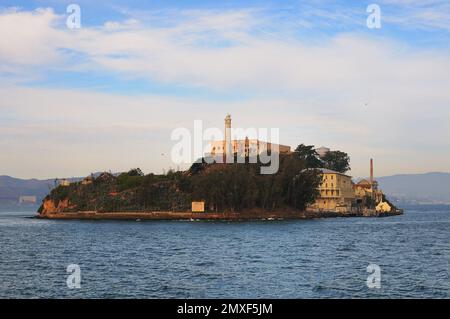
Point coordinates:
[(371, 171)]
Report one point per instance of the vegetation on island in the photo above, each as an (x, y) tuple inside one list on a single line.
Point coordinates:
[(230, 187), (335, 160)]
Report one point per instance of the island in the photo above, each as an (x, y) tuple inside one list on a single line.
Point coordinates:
[(308, 184)]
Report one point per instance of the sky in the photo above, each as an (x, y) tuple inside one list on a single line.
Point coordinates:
[(107, 96)]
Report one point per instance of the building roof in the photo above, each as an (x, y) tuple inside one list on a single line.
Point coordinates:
[(253, 140), (328, 171), (363, 182)]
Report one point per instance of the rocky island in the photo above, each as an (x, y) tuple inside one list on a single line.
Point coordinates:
[(225, 191)]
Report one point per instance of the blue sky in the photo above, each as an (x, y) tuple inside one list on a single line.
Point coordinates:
[(136, 70), (311, 21)]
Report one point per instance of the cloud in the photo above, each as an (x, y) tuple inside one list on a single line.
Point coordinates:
[(219, 51), (29, 37)]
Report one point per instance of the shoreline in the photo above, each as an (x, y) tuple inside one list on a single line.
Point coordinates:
[(224, 216)]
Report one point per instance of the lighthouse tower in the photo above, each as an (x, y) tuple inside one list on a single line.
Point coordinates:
[(228, 147)]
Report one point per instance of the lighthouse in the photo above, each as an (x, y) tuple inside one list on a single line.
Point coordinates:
[(228, 147)]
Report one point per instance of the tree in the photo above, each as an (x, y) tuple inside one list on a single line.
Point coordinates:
[(135, 172), (303, 189), (309, 155), (337, 161), (197, 166)]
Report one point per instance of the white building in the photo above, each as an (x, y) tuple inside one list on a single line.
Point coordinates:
[(246, 147), (64, 182)]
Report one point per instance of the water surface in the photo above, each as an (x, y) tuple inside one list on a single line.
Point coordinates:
[(320, 258)]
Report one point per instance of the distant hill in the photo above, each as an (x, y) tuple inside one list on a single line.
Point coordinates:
[(428, 188), (12, 188)]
